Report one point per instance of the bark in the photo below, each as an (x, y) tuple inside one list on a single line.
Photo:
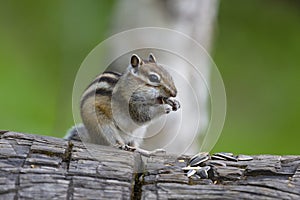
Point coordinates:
[(40, 167)]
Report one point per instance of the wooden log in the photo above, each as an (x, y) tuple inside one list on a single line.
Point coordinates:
[(41, 167)]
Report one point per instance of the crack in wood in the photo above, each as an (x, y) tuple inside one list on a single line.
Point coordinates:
[(136, 193), (66, 170), (70, 190), (17, 183), (68, 154)]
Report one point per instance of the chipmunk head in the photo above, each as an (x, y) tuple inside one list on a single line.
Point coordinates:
[(152, 74)]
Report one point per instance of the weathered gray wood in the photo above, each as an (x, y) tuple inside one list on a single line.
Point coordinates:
[(265, 177), (40, 167)]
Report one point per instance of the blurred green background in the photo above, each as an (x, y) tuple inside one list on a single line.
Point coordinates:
[(256, 47)]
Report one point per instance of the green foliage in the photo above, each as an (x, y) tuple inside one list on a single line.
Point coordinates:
[(257, 51), (42, 46)]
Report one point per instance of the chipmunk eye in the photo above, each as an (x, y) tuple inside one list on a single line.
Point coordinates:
[(154, 78)]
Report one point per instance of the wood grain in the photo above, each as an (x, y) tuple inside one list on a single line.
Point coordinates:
[(40, 167)]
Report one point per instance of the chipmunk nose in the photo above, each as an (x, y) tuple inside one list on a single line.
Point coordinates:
[(171, 92)]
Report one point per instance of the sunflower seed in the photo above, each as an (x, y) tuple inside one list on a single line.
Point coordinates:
[(190, 168), (207, 168), (227, 156), (214, 157), (244, 158), (226, 153), (191, 172), (195, 176), (215, 163), (198, 159), (203, 172)]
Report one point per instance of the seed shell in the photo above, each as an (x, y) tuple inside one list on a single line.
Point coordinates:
[(191, 172), (227, 156), (214, 157), (203, 172), (198, 159), (244, 158)]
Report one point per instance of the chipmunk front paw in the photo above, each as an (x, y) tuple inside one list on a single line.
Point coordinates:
[(168, 108), (175, 105)]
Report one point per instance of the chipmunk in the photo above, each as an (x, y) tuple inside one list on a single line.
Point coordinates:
[(115, 106)]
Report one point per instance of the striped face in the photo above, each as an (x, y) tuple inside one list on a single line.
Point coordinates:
[(146, 84), (153, 75)]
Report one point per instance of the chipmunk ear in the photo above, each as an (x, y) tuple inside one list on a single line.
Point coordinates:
[(135, 61), (152, 58)]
